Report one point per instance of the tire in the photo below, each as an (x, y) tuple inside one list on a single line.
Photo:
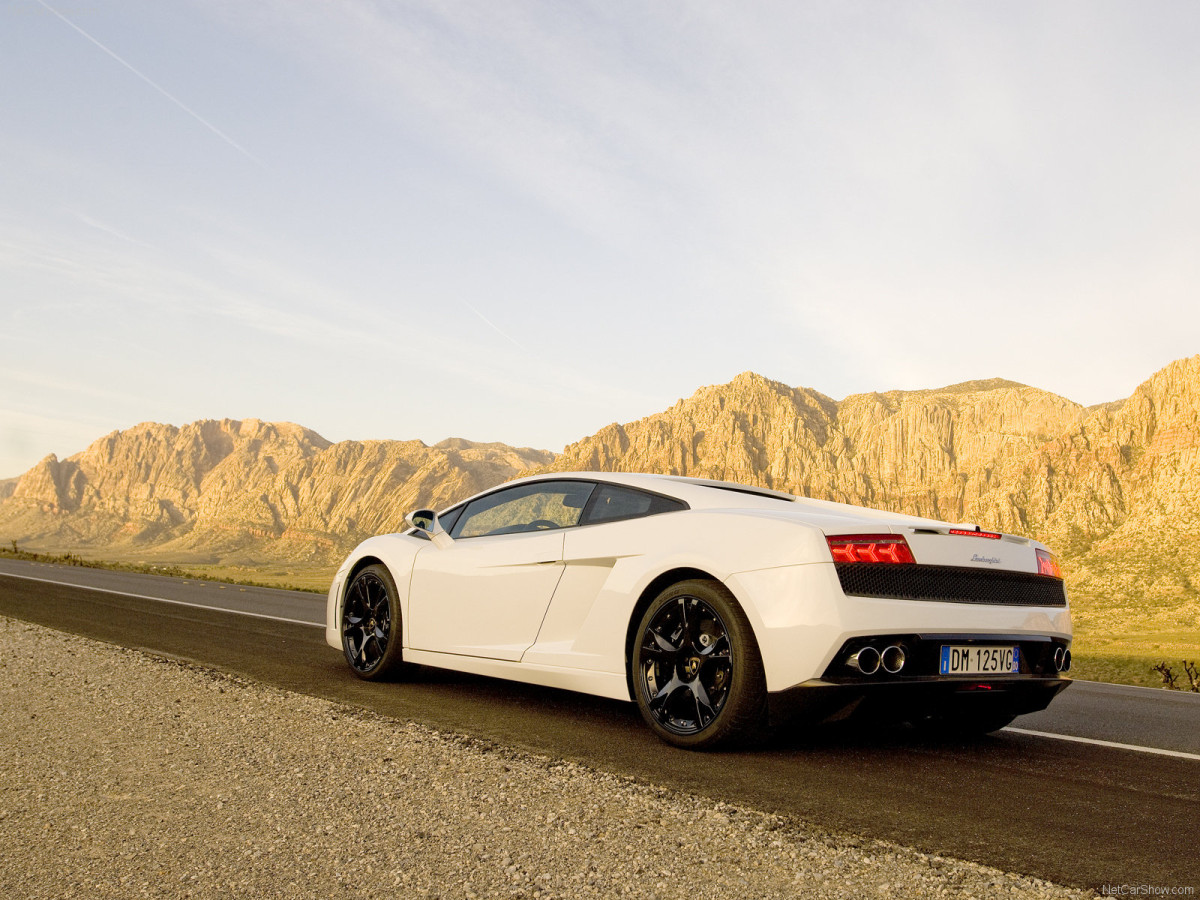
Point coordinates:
[(696, 669), (371, 624)]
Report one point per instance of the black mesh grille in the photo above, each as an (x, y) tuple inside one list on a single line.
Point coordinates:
[(949, 584)]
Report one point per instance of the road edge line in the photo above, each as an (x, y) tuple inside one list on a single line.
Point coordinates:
[(1158, 751)]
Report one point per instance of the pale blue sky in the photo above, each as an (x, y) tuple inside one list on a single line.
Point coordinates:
[(522, 221)]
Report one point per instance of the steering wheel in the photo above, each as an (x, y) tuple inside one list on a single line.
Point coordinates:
[(542, 523)]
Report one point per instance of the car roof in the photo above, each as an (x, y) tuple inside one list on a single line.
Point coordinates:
[(704, 493), (696, 492)]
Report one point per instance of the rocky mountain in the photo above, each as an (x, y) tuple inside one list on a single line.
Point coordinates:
[(1113, 488), (242, 491), (935, 453), (1119, 494)]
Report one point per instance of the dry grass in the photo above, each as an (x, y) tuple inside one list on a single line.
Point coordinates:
[(293, 578), (314, 579), (1115, 647)]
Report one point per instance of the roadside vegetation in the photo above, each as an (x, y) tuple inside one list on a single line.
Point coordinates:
[(1120, 668), (313, 581), (1142, 643), (1189, 680)]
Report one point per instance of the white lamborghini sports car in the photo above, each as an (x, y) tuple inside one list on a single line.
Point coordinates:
[(716, 607)]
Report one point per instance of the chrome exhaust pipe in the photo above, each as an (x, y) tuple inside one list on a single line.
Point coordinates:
[(892, 659), (1060, 658), (1066, 661), (865, 660)]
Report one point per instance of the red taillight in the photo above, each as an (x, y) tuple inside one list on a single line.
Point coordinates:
[(869, 548), (1048, 565)]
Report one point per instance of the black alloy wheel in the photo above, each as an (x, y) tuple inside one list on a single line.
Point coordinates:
[(371, 624), (697, 674)]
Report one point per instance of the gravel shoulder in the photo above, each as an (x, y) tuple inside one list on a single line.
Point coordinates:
[(123, 774)]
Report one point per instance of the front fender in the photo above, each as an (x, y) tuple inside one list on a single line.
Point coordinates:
[(397, 552)]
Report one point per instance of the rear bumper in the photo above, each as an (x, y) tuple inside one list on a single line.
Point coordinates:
[(822, 700), (802, 620)]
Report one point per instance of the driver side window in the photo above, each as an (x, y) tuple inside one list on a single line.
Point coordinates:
[(527, 507)]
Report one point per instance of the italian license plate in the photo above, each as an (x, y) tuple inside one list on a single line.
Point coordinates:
[(962, 660)]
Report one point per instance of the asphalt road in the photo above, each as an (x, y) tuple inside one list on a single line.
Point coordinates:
[(1083, 814)]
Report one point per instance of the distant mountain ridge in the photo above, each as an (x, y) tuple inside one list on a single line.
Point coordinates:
[(1113, 488), (933, 453), (242, 491)]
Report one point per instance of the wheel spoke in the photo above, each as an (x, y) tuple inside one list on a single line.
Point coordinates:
[(658, 654), (660, 699), (685, 634), (371, 602), (704, 708), (718, 649), (370, 657), (659, 644), (663, 642)]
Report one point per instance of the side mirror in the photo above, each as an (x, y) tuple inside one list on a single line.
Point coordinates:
[(426, 520)]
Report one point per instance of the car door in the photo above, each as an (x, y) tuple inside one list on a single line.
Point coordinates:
[(588, 615), (487, 592)]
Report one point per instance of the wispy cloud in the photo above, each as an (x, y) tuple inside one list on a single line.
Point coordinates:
[(155, 85), (292, 310), (75, 387), (109, 230), (500, 331), (565, 116)]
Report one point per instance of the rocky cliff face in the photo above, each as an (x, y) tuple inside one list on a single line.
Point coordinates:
[(240, 491), (936, 453), (752, 430), (1119, 495)]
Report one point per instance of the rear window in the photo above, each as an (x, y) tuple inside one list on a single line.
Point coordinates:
[(612, 503)]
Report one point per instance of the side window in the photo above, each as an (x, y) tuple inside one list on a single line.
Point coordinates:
[(527, 507), (613, 503), (450, 518)]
